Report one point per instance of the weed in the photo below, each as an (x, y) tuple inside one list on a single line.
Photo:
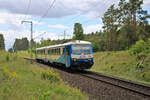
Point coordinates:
[(50, 75), (7, 58), (7, 75), (45, 96), (22, 81), (139, 66), (122, 64), (107, 54), (33, 72), (15, 56)]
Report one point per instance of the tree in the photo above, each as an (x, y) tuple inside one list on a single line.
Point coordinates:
[(32, 43), (131, 11), (10, 50), (110, 27), (126, 37), (78, 32), (2, 44), (133, 20), (125, 24), (21, 44)]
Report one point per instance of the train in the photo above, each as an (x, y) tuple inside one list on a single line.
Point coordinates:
[(73, 55)]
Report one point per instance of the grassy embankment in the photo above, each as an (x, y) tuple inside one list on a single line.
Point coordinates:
[(19, 80), (121, 64)]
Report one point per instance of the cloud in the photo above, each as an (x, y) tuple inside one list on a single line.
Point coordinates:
[(146, 3), (58, 26), (60, 8), (92, 28), (11, 21), (37, 22)]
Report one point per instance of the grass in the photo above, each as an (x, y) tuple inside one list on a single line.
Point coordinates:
[(121, 64), (20, 80)]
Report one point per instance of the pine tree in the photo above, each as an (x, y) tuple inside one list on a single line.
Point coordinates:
[(110, 27)]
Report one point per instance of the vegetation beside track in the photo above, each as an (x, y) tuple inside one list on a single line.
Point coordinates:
[(21, 80), (121, 64)]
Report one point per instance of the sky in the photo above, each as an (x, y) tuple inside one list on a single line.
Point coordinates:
[(51, 17)]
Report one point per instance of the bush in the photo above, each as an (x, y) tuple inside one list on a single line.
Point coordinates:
[(50, 75), (95, 47), (141, 48)]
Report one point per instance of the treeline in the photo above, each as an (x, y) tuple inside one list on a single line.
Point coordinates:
[(123, 26), (2, 43), (50, 42)]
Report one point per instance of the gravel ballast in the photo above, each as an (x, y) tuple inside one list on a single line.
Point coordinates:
[(97, 90)]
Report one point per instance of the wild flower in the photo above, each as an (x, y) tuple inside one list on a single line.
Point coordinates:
[(12, 72)]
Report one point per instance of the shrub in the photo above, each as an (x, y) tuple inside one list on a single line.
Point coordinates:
[(50, 75), (95, 47), (140, 50)]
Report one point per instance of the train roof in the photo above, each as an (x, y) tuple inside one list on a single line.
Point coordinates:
[(65, 44)]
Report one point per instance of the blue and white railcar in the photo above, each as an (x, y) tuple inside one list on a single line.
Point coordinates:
[(75, 55)]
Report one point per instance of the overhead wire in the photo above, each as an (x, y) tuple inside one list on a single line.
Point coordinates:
[(27, 11), (86, 21), (69, 21), (81, 13), (51, 5), (45, 14)]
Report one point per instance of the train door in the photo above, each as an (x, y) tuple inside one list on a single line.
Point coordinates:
[(67, 56)]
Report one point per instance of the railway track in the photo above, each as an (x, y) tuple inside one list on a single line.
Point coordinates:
[(136, 88), (139, 88)]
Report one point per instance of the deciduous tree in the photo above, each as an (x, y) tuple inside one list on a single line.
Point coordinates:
[(2, 44), (78, 32)]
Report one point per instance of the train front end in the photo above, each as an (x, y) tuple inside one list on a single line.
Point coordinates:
[(82, 56)]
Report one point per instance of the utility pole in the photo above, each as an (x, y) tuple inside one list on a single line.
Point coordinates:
[(31, 33), (64, 34)]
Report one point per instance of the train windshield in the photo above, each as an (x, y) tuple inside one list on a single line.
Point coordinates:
[(81, 48)]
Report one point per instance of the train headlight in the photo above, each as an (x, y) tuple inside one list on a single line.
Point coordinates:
[(89, 59), (74, 59)]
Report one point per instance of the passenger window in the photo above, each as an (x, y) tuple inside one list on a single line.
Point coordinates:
[(59, 51), (67, 51), (63, 51), (48, 51)]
